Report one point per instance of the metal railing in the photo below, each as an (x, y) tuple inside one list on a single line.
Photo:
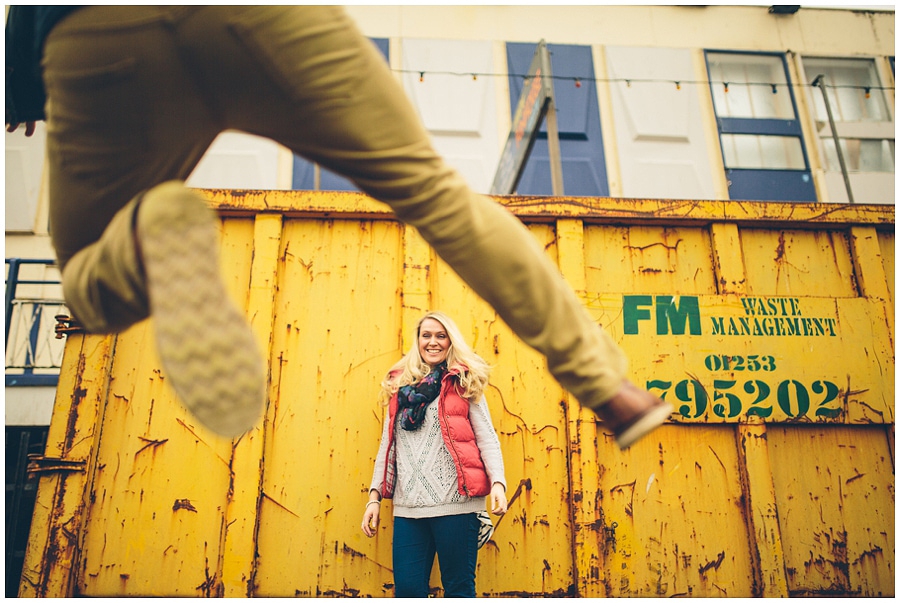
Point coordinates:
[(33, 301)]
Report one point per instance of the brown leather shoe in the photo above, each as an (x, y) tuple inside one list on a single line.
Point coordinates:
[(633, 413)]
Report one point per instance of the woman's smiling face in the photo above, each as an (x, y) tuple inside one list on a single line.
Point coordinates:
[(434, 343)]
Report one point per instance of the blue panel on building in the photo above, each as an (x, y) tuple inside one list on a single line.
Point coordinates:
[(578, 116), (770, 185)]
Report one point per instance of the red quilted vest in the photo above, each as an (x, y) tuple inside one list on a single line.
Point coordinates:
[(459, 438)]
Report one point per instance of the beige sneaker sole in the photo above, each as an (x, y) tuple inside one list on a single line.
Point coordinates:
[(206, 346), (653, 419)]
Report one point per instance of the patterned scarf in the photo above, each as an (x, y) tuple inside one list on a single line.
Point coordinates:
[(414, 399)]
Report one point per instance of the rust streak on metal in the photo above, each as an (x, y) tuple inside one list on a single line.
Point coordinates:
[(657, 244), (521, 424), (208, 586), (279, 505), (343, 593), (779, 251), (183, 503), (78, 395), (559, 593), (353, 552), (854, 478), (55, 551), (41, 464), (149, 443), (713, 564), (851, 392), (875, 552), (629, 506), (725, 469), (524, 483), (190, 430)]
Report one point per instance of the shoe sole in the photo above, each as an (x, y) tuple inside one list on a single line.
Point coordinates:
[(653, 419), (206, 346)]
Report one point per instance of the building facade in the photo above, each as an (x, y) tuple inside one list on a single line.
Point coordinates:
[(653, 102)]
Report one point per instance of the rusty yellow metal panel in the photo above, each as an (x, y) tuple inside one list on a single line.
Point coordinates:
[(732, 323), (809, 263), (726, 357), (835, 492), (886, 245), (254, 248), (161, 480), (670, 518), (762, 510), (160, 492), (615, 210), (648, 259), (769, 326), (65, 469), (336, 331)]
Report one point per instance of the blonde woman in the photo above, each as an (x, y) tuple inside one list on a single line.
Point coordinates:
[(439, 458)]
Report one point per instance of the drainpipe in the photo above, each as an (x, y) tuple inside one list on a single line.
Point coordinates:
[(820, 82)]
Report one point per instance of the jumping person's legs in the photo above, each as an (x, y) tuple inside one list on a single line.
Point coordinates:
[(124, 116), (330, 96), (138, 93)]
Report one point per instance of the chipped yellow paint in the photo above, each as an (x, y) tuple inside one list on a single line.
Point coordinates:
[(258, 256), (336, 330), (886, 247), (762, 509), (55, 540), (835, 494), (723, 502)]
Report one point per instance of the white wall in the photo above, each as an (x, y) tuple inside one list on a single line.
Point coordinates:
[(24, 169), (735, 27), (458, 111), (659, 128), (29, 405), (239, 160)]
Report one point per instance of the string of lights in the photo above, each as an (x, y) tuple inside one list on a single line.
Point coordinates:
[(577, 81)]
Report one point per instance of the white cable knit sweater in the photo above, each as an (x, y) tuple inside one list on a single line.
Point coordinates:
[(426, 476)]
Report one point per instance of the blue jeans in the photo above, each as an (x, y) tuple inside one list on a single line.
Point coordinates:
[(455, 540)]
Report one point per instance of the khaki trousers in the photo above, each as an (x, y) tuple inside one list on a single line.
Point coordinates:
[(137, 94)]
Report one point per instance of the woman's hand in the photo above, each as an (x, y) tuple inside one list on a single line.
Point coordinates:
[(498, 499), (370, 518)]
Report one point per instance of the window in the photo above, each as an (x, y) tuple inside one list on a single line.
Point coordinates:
[(238, 160), (850, 84), (860, 155), (762, 152), (747, 86), (864, 127), (762, 144)]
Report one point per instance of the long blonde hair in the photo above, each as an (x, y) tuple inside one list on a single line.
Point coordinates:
[(473, 370)]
